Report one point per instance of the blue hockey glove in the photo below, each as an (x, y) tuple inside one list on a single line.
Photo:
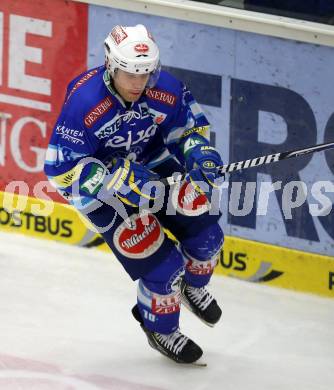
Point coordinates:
[(202, 163), (127, 180)]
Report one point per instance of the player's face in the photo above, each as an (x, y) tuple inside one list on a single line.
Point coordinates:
[(130, 86)]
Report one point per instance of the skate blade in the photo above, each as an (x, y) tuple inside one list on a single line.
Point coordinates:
[(195, 364), (198, 364)]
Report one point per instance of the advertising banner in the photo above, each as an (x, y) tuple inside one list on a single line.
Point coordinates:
[(261, 94), (43, 44)]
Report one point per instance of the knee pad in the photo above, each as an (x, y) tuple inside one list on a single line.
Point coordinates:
[(158, 295)]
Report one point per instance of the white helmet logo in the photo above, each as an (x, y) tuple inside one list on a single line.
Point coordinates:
[(118, 34), (141, 48)]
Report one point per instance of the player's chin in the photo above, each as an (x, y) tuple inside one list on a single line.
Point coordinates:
[(133, 96)]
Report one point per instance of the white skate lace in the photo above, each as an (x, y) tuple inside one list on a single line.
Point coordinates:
[(199, 296), (129, 115), (174, 341)]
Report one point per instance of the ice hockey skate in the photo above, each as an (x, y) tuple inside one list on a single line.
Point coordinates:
[(201, 303), (175, 346)]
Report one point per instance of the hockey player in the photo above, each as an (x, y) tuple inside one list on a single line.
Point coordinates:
[(123, 125)]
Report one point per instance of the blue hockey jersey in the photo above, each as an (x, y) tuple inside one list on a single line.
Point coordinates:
[(95, 122)]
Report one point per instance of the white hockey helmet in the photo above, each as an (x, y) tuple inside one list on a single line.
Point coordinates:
[(133, 50)]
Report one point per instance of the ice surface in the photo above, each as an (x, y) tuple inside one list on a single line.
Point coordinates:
[(66, 324)]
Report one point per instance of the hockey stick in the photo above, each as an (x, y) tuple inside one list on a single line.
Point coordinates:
[(257, 161)]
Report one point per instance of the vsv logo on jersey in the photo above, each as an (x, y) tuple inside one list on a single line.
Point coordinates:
[(157, 116)]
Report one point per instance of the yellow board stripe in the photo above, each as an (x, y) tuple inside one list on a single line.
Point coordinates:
[(243, 259), (277, 266), (41, 218)]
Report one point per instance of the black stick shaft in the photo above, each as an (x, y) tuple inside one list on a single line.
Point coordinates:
[(257, 161)]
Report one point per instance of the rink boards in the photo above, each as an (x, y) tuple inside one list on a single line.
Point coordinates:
[(243, 259), (262, 94)]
